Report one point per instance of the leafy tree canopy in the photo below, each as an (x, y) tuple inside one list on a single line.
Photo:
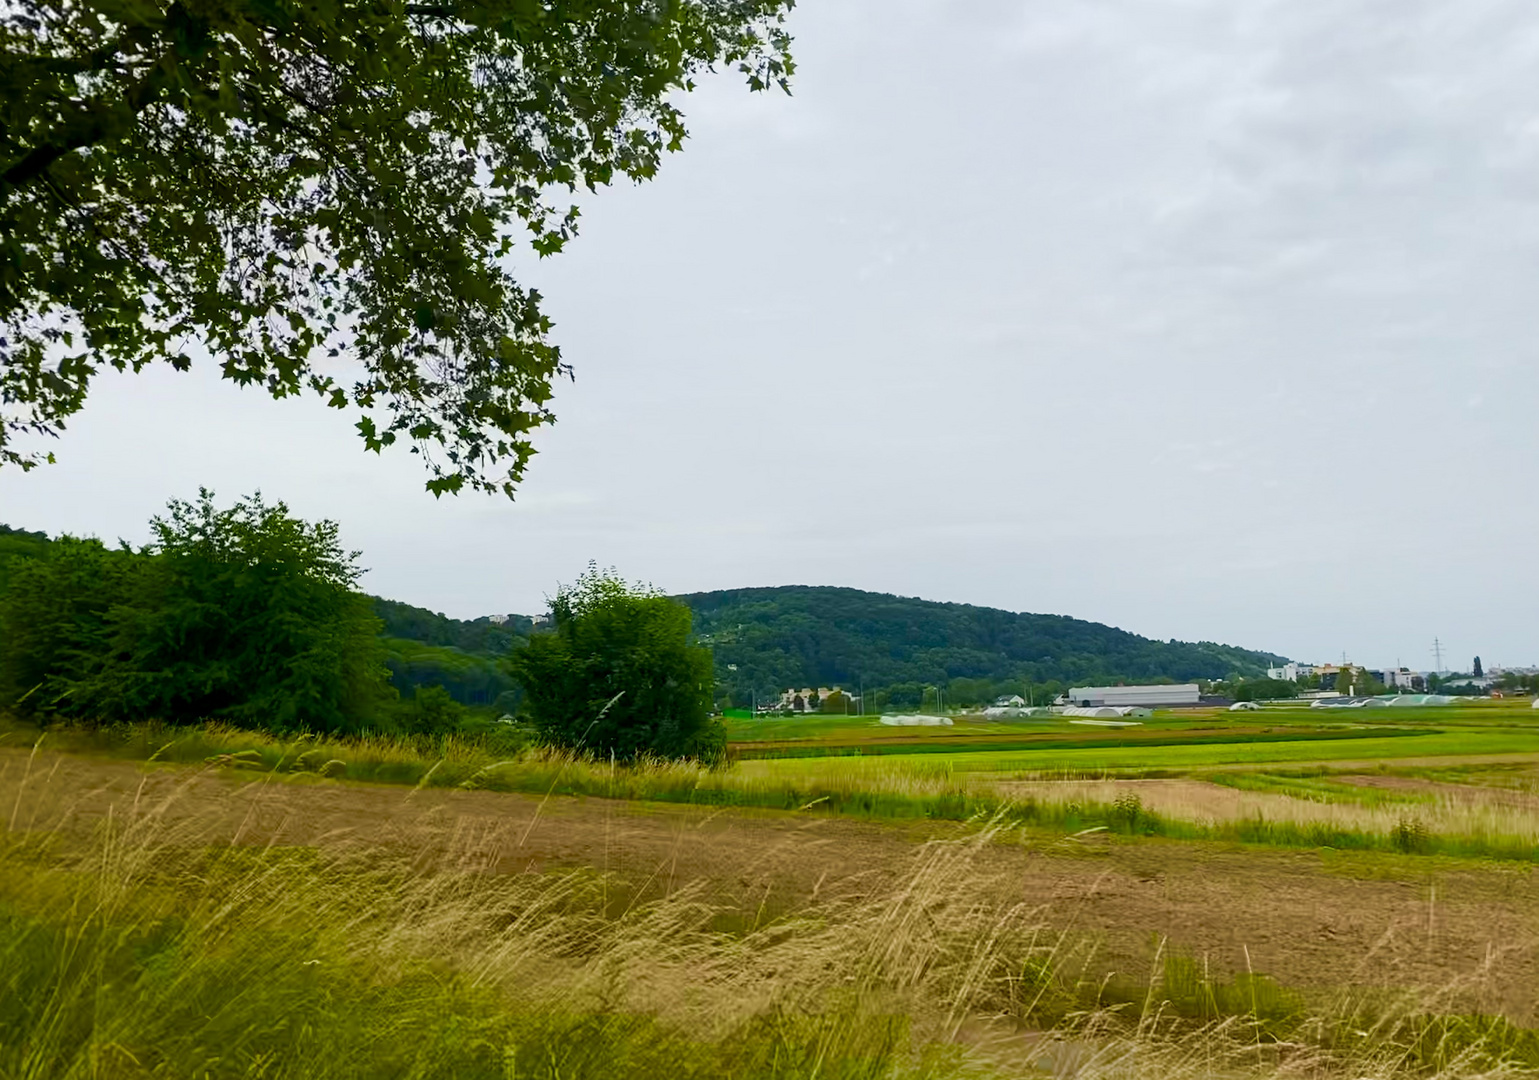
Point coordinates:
[(618, 674), (243, 614), (18, 544), (326, 194)]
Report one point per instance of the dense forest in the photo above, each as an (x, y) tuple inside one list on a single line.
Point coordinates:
[(767, 639)]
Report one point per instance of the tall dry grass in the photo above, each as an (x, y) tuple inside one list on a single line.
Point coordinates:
[(1484, 822), (1469, 820), (152, 945)]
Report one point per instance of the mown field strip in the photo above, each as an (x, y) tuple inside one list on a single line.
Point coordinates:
[(1075, 740), (1432, 745)]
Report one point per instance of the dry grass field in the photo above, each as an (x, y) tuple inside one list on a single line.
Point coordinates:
[(534, 933)]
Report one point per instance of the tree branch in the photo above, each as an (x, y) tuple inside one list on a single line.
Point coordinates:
[(90, 126)]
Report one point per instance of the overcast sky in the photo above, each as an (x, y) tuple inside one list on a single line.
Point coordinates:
[(1208, 320)]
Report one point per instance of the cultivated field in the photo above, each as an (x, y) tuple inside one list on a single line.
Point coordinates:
[(1281, 894)]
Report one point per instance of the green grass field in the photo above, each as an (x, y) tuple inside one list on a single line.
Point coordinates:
[(1106, 755), (1179, 740)]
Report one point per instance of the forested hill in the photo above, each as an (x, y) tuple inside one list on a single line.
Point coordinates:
[(473, 636), (424, 648), (798, 635)]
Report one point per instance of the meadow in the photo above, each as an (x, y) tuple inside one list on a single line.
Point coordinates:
[(215, 902)]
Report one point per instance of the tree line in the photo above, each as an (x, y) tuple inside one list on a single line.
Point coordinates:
[(246, 614), (251, 616)]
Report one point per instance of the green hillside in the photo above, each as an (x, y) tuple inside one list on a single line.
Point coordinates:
[(798, 635), (424, 648), (473, 636)]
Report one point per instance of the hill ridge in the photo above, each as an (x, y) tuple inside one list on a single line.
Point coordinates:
[(769, 637)]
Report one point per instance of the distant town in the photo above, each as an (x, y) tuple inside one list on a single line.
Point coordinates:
[(1323, 679), (1322, 683)]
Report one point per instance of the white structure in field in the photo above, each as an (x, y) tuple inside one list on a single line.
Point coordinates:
[(1150, 697)]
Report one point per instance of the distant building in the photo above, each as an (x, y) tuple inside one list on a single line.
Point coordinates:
[(1151, 697), (1395, 678), (1401, 679), (807, 699), (1014, 701), (1330, 675)]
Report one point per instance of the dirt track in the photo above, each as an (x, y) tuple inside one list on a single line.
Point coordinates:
[(1308, 919)]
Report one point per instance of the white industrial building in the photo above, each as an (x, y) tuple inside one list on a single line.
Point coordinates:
[(1149, 697)]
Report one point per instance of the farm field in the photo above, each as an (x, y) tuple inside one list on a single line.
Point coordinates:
[(1199, 750), (838, 731), (1292, 780), (1363, 904)]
